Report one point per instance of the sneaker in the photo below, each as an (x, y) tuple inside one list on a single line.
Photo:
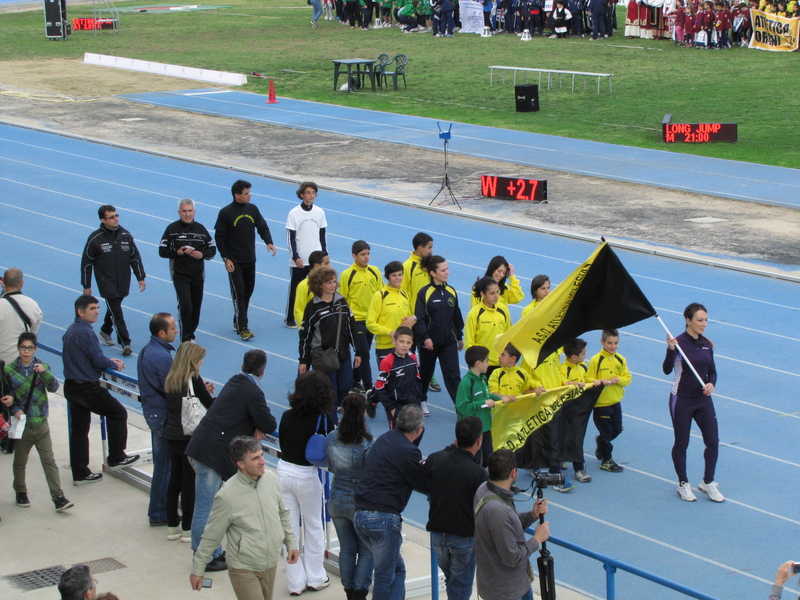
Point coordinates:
[(291, 325), (425, 410), (186, 536), (126, 350), (434, 385), (313, 24), (582, 476), (597, 454), (610, 466), (565, 487), (246, 334), (22, 500), (217, 564), (710, 489), (358, 389), (173, 533), (320, 586), (90, 478), (106, 337), (686, 493), (62, 503), (371, 410), (125, 462)]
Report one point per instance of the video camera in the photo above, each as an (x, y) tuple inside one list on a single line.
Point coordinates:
[(542, 479)]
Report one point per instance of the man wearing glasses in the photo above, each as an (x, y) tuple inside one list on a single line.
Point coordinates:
[(112, 253)]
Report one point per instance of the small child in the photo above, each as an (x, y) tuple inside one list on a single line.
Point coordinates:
[(398, 382), (688, 25), (561, 20), (358, 283), (679, 20), (511, 380), (610, 369), (29, 381), (574, 371), (474, 399)]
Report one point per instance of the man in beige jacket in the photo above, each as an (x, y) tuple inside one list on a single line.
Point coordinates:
[(249, 511)]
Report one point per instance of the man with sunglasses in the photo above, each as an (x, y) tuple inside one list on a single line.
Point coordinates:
[(112, 253)]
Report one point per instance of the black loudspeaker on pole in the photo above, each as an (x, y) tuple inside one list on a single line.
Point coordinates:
[(547, 576)]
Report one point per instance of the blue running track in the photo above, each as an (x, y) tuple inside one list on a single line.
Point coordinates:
[(51, 187), (729, 179)]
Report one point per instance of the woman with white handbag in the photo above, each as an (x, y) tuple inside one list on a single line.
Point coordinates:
[(188, 398)]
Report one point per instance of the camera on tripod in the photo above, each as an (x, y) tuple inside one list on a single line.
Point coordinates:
[(542, 479)]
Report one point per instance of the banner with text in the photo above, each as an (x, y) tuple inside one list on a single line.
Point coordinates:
[(512, 423), (774, 33), (471, 16)]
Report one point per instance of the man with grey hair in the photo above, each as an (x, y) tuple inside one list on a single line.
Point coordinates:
[(240, 409), (18, 314), (187, 243), (392, 470), (77, 583), (250, 512)]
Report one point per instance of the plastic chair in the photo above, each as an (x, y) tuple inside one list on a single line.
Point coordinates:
[(380, 66), (401, 60)]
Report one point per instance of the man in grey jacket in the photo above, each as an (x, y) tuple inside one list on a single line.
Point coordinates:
[(249, 510), (501, 548)]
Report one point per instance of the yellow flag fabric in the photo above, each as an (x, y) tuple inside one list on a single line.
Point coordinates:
[(771, 32), (599, 294), (512, 423)]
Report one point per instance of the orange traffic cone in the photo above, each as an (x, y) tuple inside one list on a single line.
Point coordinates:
[(272, 99)]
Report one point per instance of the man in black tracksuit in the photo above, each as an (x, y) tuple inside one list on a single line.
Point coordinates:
[(113, 254), (235, 235), (187, 243)]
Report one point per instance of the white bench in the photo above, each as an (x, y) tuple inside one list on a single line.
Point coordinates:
[(550, 73)]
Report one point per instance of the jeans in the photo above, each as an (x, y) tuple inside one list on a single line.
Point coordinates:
[(456, 557), (316, 5), (528, 596), (162, 462), (207, 483), (355, 557), (382, 533), (363, 374), (341, 383)]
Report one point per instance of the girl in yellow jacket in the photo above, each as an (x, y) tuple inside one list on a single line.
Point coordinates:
[(487, 319), (540, 289), (503, 273)]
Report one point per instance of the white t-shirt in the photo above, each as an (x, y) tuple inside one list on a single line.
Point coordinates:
[(306, 225), (11, 325)]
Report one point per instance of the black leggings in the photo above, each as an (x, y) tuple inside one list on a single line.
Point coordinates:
[(181, 483), (683, 409)]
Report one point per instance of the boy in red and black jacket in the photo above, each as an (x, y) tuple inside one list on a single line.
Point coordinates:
[(722, 23), (399, 382)]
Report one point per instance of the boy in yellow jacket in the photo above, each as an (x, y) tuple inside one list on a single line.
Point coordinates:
[(610, 369)]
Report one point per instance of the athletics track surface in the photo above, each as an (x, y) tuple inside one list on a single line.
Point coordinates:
[(51, 187), (726, 178)]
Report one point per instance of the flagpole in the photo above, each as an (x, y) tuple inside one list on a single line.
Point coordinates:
[(683, 354)]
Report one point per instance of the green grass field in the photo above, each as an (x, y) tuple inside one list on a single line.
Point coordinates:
[(448, 77)]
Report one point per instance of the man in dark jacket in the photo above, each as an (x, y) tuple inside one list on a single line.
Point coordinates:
[(455, 477), (240, 409), (187, 244), (113, 254), (392, 470), (235, 234)]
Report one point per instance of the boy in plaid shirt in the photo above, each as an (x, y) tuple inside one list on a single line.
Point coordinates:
[(24, 373)]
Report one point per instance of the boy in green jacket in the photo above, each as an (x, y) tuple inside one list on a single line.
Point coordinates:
[(473, 397)]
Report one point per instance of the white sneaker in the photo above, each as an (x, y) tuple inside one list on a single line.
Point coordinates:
[(686, 493), (425, 410), (711, 490)]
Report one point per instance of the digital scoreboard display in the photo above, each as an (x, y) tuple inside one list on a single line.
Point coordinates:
[(93, 24), (694, 133), (513, 188)]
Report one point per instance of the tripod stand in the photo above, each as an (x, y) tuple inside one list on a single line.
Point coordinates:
[(449, 195), (547, 578)]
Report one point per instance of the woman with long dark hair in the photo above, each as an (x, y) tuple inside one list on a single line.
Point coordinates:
[(347, 449), (690, 400), (486, 320), (310, 404), (502, 272), (185, 368), (540, 289), (439, 329)]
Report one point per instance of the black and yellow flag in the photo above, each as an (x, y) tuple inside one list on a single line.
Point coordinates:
[(599, 294)]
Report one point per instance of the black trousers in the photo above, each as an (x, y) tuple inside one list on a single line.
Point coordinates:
[(115, 318), (190, 299), (297, 274), (243, 282), (363, 374), (181, 484), (84, 399), (608, 420), (448, 362)]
